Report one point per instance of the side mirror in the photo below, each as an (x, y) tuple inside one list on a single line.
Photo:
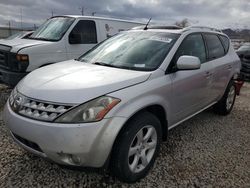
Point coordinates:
[(188, 63), (74, 38)]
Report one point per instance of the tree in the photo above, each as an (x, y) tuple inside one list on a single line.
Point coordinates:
[(183, 23)]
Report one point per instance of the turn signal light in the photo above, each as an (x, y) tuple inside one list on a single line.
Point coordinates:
[(22, 57)]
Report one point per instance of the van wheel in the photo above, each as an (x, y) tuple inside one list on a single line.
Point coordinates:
[(136, 148), (225, 105)]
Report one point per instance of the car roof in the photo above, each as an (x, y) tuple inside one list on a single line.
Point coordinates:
[(176, 29), (98, 18)]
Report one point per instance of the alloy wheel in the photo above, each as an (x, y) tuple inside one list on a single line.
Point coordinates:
[(142, 149), (230, 98)]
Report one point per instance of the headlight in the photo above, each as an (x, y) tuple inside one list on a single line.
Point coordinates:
[(22, 57), (91, 111), (12, 96), (21, 63)]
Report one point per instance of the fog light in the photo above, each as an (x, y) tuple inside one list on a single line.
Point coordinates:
[(75, 159), (70, 158)]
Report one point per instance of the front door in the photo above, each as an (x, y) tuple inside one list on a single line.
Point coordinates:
[(84, 37), (191, 88)]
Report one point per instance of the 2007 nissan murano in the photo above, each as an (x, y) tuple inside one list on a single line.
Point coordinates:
[(115, 104)]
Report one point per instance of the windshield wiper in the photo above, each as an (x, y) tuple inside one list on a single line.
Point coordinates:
[(41, 38), (123, 67), (105, 64)]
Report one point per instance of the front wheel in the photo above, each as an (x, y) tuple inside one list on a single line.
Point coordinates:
[(225, 105), (136, 148)]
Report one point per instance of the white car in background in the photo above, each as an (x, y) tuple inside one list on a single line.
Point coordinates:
[(59, 38)]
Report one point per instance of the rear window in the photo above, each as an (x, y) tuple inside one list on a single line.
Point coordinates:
[(225, 42), (214, 45)]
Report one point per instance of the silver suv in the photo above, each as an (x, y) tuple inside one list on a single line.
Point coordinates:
[(115, 104)]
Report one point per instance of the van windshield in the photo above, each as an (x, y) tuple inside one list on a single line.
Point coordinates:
[(53, 29), (134, 50)]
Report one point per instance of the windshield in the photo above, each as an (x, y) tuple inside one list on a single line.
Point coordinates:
[(138, 50), (16, 35), (53, 29), (246, 47)]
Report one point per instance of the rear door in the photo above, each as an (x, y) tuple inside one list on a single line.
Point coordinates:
[(221, 63), (191, 88), (86, 31)]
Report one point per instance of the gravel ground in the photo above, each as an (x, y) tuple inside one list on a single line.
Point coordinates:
[(205, 151)]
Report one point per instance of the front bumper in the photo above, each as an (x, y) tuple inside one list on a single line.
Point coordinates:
[(10, 78), (86, 144)]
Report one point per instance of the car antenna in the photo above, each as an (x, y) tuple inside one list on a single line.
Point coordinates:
[(146, 27)]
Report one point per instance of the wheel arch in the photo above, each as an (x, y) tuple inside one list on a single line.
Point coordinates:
[(156, 110), (46, 64)]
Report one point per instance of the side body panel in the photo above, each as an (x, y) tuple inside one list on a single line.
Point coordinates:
[(191, 91), (225, 69), (45, 54)]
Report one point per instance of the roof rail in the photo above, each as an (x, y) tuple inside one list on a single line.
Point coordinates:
[(202, 27), (158, 27)]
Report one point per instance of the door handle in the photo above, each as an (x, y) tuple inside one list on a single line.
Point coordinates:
[(229, 67), (208, 74)]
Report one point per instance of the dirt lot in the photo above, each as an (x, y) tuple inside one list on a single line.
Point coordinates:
[(206, 151)]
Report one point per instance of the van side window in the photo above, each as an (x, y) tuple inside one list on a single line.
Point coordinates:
[(225, 42), (192, 45), (214, 45), (86, 32)]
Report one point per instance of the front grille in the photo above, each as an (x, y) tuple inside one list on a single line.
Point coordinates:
[(42, 111), (36, 109), (3, 58), (246, 57), (4, 55), (28, 143)]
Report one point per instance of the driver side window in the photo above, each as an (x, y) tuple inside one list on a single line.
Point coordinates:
[(85, 30), (192, 45)]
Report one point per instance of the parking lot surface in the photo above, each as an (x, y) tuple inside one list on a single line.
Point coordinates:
[(206, 151)]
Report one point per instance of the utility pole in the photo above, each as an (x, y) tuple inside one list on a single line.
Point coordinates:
[(21, 12), (82, 10), (9, 28), (52, 13)]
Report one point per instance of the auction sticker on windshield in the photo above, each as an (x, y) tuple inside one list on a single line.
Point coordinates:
[(161, 39)]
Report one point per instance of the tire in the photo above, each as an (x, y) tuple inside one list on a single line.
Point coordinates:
[(226, 103), (136, 166)]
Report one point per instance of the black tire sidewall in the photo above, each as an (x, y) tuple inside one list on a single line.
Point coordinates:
[(221, 106), (231, 85), (121, 168)]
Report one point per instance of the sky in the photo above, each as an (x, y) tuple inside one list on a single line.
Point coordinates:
[(215, 13)]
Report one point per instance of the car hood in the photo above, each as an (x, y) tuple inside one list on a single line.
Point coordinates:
[(76, 82), (18, 43)]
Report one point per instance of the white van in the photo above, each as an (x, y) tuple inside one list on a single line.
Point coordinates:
[(59, 38)]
